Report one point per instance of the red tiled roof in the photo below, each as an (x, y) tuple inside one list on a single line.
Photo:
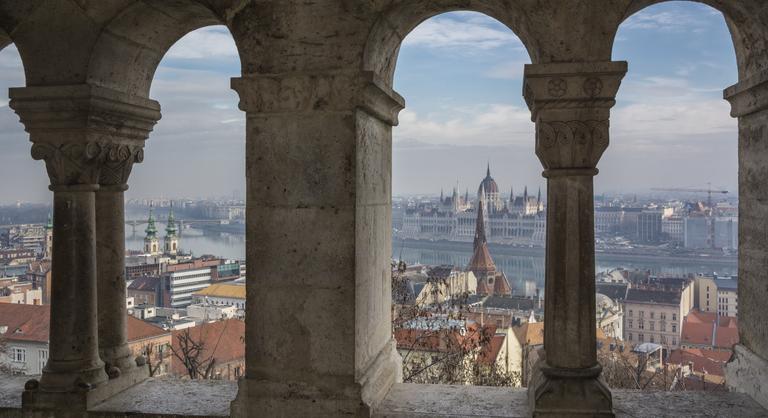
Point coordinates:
[(501, 286), (703, 360), (530, 333), (139, 330), (699, 328), (25, 322), (481, 261), (222, 340), (490, 351)]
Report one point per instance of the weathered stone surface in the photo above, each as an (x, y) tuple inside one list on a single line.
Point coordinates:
[(317, 86)]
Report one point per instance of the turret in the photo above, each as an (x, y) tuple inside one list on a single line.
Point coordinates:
[(171, 234), (151, 245)]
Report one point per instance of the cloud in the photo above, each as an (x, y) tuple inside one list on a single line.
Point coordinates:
[(507, 71), (479, 125), (677, 19), (463, 31), (206, 43)]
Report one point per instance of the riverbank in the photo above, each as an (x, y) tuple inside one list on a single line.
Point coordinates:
[(601, 255)]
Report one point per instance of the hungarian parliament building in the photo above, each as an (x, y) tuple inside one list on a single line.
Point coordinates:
[(521, 220)]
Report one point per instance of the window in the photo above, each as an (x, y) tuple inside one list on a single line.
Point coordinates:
[(641, 324), (642, 314), (641, 338), (674, 327), (674, 341), (663, 327), (674, 317), (19, 355), (652, 315), (653, 326), (630, 312), (629, 337), (652, 339), (663, 316), (629, 323)]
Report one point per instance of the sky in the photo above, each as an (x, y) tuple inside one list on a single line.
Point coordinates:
[(461, 76)]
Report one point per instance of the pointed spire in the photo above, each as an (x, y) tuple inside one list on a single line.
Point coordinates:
[(511, 195), (538, 198), (442, 197), (480, 225), (525, 194), (151, 230), (49, 223), (170, 228), (466, 197), (488, 173)]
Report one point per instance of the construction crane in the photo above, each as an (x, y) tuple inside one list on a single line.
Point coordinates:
[(708, 191)]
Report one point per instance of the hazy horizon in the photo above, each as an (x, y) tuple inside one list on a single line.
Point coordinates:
[(461, 75)]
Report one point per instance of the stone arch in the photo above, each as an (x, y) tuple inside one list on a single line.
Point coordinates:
[(132, 44), (389, 31), (746, 22)]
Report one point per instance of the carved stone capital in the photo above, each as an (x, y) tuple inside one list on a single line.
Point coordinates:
[(117, 162), (85, 134), (748, 96), (570, 103), (69, 164), (337, 91)]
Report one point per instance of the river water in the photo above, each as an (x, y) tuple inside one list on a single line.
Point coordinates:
[(518, 268)]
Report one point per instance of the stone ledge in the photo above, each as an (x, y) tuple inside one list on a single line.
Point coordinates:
[(156, 398), (166, 398), (432, 401)]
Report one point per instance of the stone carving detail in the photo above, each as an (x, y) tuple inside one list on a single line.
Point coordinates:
[(557, 87), (88, 163), (69, 164), (587, 133), (593, 87), (117, 163)]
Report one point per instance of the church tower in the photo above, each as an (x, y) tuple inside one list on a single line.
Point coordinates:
[(48, 252), (151, 243), (171, 240)]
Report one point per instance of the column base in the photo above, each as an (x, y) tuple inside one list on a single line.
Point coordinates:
[(555, 392), (83, 396), (745, 372), (120, 358), (262, 398)]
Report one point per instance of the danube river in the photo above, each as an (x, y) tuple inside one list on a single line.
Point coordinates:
[(197, 241), (525, 265)]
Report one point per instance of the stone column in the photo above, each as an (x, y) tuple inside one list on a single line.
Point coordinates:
[(110, 237), (80, 132), (746, 371), (570, 104), (318, 162)]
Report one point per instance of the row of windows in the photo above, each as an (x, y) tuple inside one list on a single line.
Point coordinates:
[(19, 355), (651, 325), (652, 314), (652, 339)]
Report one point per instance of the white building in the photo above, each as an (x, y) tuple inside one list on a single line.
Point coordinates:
[(179, 286), (222, 294), (24, 328), (207, 312)]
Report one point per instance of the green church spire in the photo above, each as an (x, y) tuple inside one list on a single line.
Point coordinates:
[(151, 230), (49, 224), (170, 229)]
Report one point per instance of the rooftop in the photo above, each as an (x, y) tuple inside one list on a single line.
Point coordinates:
[(223, 290)]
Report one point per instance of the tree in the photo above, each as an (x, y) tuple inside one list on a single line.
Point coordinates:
[(191, 354), (154, 359), (446, 349)]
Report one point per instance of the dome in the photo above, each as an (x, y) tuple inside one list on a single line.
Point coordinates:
[(488, 184)]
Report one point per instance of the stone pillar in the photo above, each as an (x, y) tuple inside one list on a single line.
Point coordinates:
[(110, 232), (570, 104), (85, 135), (747, 371), (318, 163)]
